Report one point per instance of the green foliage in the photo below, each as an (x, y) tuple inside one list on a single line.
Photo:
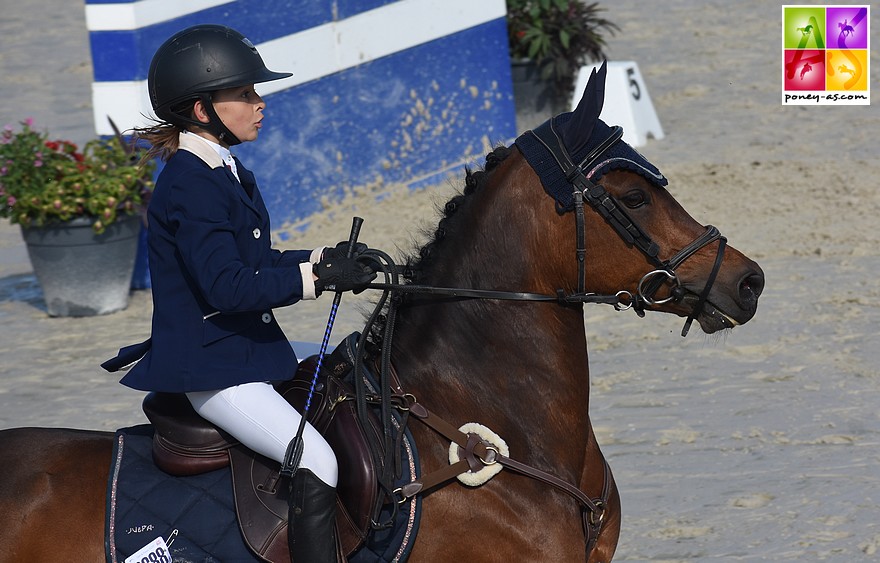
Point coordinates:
[(44, 181), (560, 36)]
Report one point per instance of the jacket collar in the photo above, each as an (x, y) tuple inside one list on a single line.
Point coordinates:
[(205, 152), (196, 145)]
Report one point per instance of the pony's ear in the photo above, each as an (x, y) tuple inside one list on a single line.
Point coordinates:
[(579, 128)]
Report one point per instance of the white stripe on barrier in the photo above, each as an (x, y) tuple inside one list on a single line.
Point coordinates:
[(125, 102), (135, 15), (319, 51), (336, 46)]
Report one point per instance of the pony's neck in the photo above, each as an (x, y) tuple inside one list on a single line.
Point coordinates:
[(509, 364)]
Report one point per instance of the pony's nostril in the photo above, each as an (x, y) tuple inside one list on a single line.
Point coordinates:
[(750, 287)]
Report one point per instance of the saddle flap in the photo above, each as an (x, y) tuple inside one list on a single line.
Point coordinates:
[(261, 504), (262, 495)]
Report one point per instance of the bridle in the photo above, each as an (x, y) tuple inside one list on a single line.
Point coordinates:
[(578, 175)]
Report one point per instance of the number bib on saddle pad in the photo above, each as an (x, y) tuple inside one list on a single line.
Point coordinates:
[(154, 552)]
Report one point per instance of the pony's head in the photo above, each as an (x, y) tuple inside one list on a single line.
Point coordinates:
[(654, 250)]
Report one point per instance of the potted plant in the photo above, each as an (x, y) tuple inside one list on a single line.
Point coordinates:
[(80, 215), (550, 40)]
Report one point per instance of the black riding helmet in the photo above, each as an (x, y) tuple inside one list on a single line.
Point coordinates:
[(196, 62)]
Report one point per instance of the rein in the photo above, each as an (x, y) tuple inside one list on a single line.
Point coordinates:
[(616, 300)]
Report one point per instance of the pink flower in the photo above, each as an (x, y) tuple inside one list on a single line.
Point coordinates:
[(10, 201), (38, 163), (29, 121)]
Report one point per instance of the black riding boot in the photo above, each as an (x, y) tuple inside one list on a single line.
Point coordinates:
[(311, 525)]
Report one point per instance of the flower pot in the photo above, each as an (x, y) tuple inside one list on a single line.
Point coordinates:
[(82, 273), (536, 100)]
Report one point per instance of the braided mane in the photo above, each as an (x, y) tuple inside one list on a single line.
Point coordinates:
[(418, 262), (474, 182)]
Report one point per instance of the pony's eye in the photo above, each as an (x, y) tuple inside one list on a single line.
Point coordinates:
[(634, 199)]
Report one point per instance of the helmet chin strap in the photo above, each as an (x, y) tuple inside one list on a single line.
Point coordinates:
[(215, 124)]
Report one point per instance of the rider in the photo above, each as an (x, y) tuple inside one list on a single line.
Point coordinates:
[(215, 277)]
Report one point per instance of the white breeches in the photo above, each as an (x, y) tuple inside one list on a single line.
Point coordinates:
[(261, 419)]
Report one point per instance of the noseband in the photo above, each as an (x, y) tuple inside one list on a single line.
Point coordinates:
[(610, 209)]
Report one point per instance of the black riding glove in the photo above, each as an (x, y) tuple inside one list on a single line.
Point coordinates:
[(341, 251), (342, 274)]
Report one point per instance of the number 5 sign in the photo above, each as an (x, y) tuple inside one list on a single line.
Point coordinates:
[(627, 102)]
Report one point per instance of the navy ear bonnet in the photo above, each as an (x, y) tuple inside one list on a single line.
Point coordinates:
[(620, 156)]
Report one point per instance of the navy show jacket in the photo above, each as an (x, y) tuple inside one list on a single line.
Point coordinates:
[(215, 280)]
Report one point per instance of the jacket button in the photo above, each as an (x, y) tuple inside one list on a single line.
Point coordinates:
[(266, 318), (257, 233)]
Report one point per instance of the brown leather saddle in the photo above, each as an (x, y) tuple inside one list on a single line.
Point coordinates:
[(186, 444)]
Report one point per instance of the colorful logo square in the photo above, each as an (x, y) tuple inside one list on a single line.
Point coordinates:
[(846, 70), (847, 27), (804, 69), (803, 27)]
